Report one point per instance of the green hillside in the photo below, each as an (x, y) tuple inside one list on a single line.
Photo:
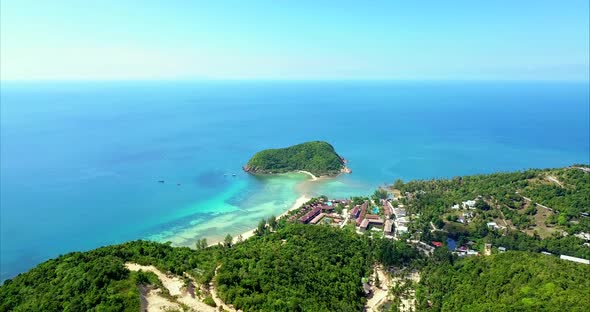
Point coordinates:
[(513, 281), (317, 157)]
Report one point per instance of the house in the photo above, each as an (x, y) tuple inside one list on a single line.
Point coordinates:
[(399, 212), (470, 204), (461, 220), (437, 244), (455, 206), (399, 230), (388, 228), (574, 259), (493, 225), (546, 253), (502, 249)]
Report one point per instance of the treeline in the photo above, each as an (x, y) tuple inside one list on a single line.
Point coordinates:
[(317, 157), (512, 281)]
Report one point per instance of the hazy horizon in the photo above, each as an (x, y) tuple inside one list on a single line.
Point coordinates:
[(263, 40)]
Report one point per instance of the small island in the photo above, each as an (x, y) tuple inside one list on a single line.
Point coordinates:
[(317, 157)]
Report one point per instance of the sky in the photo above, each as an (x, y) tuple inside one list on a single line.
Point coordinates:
[(174, 39)]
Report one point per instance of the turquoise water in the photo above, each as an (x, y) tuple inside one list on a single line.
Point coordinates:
[(80, 162)]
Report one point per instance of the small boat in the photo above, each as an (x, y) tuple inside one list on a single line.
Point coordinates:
[(233, 175), (177, 184), (160, 181)]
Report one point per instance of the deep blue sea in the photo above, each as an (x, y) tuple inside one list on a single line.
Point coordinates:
[(80, 161)]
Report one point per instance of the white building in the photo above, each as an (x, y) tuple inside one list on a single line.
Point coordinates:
[(574, 259), (470, 204)]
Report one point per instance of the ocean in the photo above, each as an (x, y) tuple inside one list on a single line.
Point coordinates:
[(80, 162)]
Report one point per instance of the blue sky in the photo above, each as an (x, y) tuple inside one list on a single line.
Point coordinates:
[(173, 39)]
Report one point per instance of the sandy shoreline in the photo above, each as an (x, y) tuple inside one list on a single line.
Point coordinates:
[(313, 177), (246, 235), (302, 199)]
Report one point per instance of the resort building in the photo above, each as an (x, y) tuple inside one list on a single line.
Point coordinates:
[(387, 208), (310, 215), (355, 212), (370, 220), (317, 218), (361, 216)]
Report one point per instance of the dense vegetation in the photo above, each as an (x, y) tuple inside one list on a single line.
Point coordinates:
[(98, 280), (317, 157), (512, 281), (305, 268), (294, 268)]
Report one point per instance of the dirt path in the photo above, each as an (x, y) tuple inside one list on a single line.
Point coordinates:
[(175, 286), (216, 298), (379, 293), (554, 179)]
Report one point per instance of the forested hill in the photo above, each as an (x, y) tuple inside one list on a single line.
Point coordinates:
[(512, 281), (293, 268), (317, 157)]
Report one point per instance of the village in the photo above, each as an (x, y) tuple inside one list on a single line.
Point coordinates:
[(388, 218), (383, 218)]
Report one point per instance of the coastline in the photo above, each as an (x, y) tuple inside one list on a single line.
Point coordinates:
[(250, 233), (313, 177), (302, 199)]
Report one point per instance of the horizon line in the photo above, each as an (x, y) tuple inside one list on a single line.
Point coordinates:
[(246, 79)]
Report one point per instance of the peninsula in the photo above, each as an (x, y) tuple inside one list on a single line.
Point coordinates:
[(317, 157)]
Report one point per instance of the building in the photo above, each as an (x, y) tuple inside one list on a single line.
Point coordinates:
[(387, 208), (310, 215), (399, 230), (364, 225), (502, 249), (437, 244), (355, 212), (493, 225), (361, 216), (470, 204), (455, 206), (317, 218), (574, 259), (370, 221), (388, 228), (399, 212)]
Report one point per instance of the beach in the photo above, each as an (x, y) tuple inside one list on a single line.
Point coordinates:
[(246, 235)]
